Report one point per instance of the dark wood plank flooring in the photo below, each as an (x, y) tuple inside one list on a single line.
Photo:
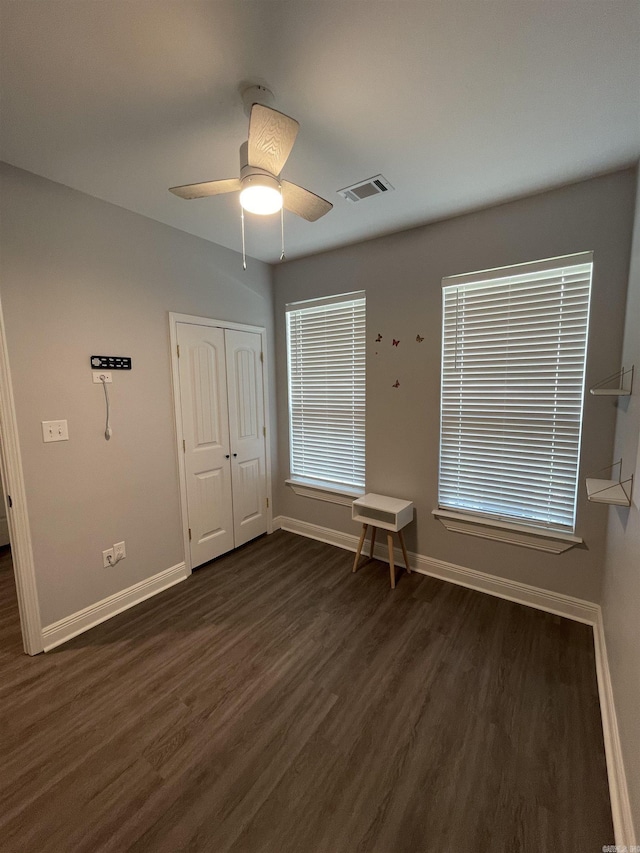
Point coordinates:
[(277, 703)]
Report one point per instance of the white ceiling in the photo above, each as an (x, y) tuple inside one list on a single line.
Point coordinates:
[(458, 104)]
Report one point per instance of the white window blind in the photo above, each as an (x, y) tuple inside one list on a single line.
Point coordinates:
[(326, 360), (513, 365)]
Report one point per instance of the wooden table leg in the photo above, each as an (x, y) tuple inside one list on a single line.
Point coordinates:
[(373, 540), (392, 568), (404, 551), (360, 544)]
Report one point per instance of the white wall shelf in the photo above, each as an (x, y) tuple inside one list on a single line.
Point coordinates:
[(609, 492), (616, 492), (604, 389)]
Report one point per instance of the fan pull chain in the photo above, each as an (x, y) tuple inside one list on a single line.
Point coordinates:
[(282, 257), (244, 255)]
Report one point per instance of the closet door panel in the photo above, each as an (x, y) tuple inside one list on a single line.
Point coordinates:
[(205, 428), (246, 429)]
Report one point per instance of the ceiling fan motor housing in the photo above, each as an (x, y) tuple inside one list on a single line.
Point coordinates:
[(246, 169), (254, 174), (258, 177)]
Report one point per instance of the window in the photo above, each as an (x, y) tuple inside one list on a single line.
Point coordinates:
[(326, 360), (513, 365)]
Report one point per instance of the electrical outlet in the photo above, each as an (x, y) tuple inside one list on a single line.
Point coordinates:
[(108, 558), (98, 374), (119, 551)]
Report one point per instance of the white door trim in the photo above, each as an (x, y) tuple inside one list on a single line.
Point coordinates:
[(17, 515), (174, 319)]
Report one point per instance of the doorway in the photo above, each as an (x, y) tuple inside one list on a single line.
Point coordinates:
[(15, 503)]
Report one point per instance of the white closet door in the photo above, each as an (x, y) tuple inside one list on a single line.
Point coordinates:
[(246, 427), (205, 428)]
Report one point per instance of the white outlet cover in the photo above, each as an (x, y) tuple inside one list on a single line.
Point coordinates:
[(98, 373)]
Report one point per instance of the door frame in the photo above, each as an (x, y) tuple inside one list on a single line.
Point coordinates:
[(17, 515), (174, 319)]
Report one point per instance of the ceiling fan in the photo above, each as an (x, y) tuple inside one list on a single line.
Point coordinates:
[(262, 158)]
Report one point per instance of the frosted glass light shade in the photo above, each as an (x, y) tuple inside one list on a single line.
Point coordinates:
[(258, 198)]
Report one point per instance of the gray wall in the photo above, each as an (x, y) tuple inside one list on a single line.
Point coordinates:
[(401, 274), (621, 588), (83, 277)]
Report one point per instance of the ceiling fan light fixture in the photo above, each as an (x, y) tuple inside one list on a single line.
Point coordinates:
[(261, 194), (262, 158)]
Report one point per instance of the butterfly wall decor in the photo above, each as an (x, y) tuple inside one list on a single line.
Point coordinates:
[(419, 338), (395, 342)]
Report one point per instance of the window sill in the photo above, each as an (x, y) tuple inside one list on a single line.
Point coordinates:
[(503, 531), (331, 493)]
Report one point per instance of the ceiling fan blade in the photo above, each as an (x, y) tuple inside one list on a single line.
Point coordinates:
[(303, 202), (271, 138), (207, 188)]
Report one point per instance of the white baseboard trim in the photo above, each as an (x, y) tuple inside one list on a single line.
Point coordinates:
[(620, 806), (521, 593), (542, 599), (59, 632), (321, 534)]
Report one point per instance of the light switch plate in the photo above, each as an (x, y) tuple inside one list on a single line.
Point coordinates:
[(55, 431)]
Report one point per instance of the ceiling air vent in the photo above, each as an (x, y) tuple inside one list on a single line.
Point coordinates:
[(365, 189)]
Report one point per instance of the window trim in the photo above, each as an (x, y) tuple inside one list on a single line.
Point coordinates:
[(488, 526), (329, 492), (325, 490), (538, 538)]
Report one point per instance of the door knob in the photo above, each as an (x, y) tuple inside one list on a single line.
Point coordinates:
[(235, 454), (226, 455)]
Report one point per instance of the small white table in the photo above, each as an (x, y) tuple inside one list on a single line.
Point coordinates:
[(390, 514)]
